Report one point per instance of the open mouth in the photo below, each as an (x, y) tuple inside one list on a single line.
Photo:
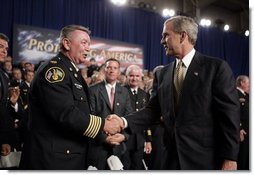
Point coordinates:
[(85, 55)]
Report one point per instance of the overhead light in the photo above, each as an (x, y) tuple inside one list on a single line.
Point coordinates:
[(119, 2), (226, 27), (168, 13), (205, 22), (247, 33)]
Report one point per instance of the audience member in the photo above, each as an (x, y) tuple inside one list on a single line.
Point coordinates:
[(108, 97), (137, 143), (243, 86)]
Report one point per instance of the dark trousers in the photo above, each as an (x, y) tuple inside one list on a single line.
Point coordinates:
[(243, 156)]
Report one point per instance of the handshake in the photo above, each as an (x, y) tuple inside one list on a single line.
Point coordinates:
[(112, 127)]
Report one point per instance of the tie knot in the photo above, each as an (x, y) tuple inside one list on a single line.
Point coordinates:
[(180, 64), (134, 92), (112, 90)]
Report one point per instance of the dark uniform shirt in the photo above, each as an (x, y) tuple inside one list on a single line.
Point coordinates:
[(60, 124)]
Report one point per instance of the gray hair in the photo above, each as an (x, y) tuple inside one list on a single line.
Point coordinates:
[(67, 30), (133, 67), (240, 79), (4, 37), (186, 24)]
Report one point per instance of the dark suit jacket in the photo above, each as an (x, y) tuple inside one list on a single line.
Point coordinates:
[(206, 128), (243, 157), (244, 106), (136, 141), (59, 115), (100, 106), (6, 122)]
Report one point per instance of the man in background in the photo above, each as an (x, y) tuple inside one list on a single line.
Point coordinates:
[(140, 142), (243, 86)]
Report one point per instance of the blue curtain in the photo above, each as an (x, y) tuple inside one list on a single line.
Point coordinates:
[(124, 24)]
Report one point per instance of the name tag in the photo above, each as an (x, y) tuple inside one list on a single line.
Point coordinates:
[(78, 86)]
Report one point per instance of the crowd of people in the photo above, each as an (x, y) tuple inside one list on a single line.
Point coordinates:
[(190, 114)]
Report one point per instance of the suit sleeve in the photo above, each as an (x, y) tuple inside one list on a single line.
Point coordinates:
[(148, 116), (227, 110)]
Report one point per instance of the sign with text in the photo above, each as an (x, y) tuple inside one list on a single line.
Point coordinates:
[(35, 45)]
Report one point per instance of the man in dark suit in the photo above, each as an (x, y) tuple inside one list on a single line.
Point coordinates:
[(60, 121), (243, 86), (198, 102), (109, 97), (5, 118), (139, 98)]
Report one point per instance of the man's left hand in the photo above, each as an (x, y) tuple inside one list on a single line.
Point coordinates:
[(229, 165)]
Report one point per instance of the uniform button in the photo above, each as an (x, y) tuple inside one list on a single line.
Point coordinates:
[(81, 98), (136, 109), (137, 102), (68, 151), (117, 104)]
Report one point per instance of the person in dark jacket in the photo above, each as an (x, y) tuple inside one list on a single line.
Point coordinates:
[(138, 143), (197, 99), (60, 121), (109, 97), (5, 118), (243, 86)]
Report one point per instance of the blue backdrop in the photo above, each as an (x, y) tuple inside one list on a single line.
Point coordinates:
[(124, 24)]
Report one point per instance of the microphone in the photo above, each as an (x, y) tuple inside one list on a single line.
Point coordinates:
[(114, 163)]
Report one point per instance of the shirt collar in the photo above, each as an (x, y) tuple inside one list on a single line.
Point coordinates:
[(108, 85), (136, 89), (77, 69), (242, 91), (187, 58)]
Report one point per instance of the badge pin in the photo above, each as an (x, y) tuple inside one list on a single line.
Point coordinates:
[(70, 69), (196, 73), (78, 86), (75, 75)]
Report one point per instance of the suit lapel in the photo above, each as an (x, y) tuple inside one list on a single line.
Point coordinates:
[(168, 88), (192, 75), (118, 98), (104, 94)]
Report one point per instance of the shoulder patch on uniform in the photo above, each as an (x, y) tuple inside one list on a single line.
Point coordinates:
[(54, 74)]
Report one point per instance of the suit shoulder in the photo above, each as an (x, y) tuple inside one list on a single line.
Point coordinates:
[(211, 60), (96, 86)]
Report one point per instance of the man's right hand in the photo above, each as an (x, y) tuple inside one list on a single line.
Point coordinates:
[(113, 124)]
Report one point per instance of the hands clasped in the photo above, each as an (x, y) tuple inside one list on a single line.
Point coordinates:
[(113, 126)]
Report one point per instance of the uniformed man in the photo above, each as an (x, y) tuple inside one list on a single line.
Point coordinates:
[(60, 123), (5, 123), (243, 86), (139, 99)]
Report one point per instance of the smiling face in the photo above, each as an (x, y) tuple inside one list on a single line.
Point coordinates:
[(171, 40), (3, 49), (134, 78), (77, 46)]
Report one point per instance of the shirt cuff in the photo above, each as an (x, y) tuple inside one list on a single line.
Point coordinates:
[(125, 122)]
